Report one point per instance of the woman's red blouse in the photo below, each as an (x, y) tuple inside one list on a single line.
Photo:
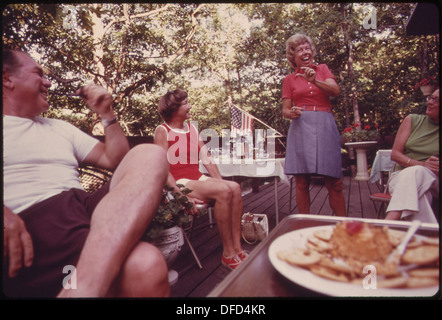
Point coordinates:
[(304, 93)]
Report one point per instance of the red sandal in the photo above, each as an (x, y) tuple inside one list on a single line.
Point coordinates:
[(243, 255), (232, 263)]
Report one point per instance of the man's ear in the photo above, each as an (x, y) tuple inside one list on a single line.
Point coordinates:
[(7, 81)]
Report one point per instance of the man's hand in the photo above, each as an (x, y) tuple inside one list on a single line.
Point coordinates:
[(98, 99), (17, 243)]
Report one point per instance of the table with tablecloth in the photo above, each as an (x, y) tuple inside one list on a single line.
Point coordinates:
[(253, 168), (382, 163)]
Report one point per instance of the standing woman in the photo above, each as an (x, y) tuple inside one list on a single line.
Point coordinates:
[(313, 140), (184, 150)]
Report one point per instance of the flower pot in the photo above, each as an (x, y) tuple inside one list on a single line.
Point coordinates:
[(427, 90), (170, 242)]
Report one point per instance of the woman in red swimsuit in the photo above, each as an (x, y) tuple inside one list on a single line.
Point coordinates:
[(184, 150)]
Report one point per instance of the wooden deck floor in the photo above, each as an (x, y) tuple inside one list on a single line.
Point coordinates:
[(195, 282)]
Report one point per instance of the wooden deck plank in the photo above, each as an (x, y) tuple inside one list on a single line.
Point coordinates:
[(319, 201), (354, 208), (368, 208), (195, 282)]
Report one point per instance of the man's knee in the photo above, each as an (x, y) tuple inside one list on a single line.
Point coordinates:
[(150, 153), (141, 164), (148, 157), (145, 272)]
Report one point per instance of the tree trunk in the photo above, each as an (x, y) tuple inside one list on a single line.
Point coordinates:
[(353, 96), (424, 57), (97, 34)]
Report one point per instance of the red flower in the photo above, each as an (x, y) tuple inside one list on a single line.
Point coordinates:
[(355, 125), (376, 126), (425, 82), (367, 127)]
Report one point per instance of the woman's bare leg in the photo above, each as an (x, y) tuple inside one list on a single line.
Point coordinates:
[(228, 209), (303, 193), (336, 196)]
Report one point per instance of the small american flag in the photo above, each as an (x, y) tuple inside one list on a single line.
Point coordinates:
[(241, 122)]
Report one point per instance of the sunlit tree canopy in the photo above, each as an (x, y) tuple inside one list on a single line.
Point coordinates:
[(222, 52)]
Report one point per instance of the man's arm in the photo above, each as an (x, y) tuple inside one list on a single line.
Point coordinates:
[(108, 154)]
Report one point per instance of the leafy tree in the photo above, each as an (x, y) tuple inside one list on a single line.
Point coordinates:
[(126, 48), (221, 53)]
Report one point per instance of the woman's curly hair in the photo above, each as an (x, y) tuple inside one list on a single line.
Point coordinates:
[(293, 42), (170, 102)]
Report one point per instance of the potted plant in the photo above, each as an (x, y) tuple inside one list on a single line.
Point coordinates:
[(165, 229), (353, 134), (427, 85)]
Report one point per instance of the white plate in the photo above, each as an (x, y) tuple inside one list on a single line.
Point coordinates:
[(313, 282)]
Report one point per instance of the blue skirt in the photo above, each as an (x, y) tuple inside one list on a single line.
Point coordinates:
[(314, 145)]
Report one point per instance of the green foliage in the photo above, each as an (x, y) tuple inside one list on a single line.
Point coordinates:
[(357, 134), (172, 211), (220, 52)]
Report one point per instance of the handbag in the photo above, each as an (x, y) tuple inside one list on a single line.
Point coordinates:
[(254, 227)]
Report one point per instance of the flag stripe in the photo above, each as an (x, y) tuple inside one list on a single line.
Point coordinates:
[(241, 123)]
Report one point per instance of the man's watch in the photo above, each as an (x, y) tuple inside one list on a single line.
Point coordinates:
[(106, 123)]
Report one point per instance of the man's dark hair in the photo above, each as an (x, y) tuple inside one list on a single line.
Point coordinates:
[(10, 62)]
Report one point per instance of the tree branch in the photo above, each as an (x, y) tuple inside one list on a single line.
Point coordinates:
[(135, 16), (159, 70)]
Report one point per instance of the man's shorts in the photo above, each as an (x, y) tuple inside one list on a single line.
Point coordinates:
[(58, 227)]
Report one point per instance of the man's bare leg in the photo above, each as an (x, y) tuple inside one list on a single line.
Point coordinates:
[(144, 274), (119, 221)]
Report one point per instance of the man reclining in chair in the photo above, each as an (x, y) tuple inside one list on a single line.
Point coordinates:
[(53, 227)]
